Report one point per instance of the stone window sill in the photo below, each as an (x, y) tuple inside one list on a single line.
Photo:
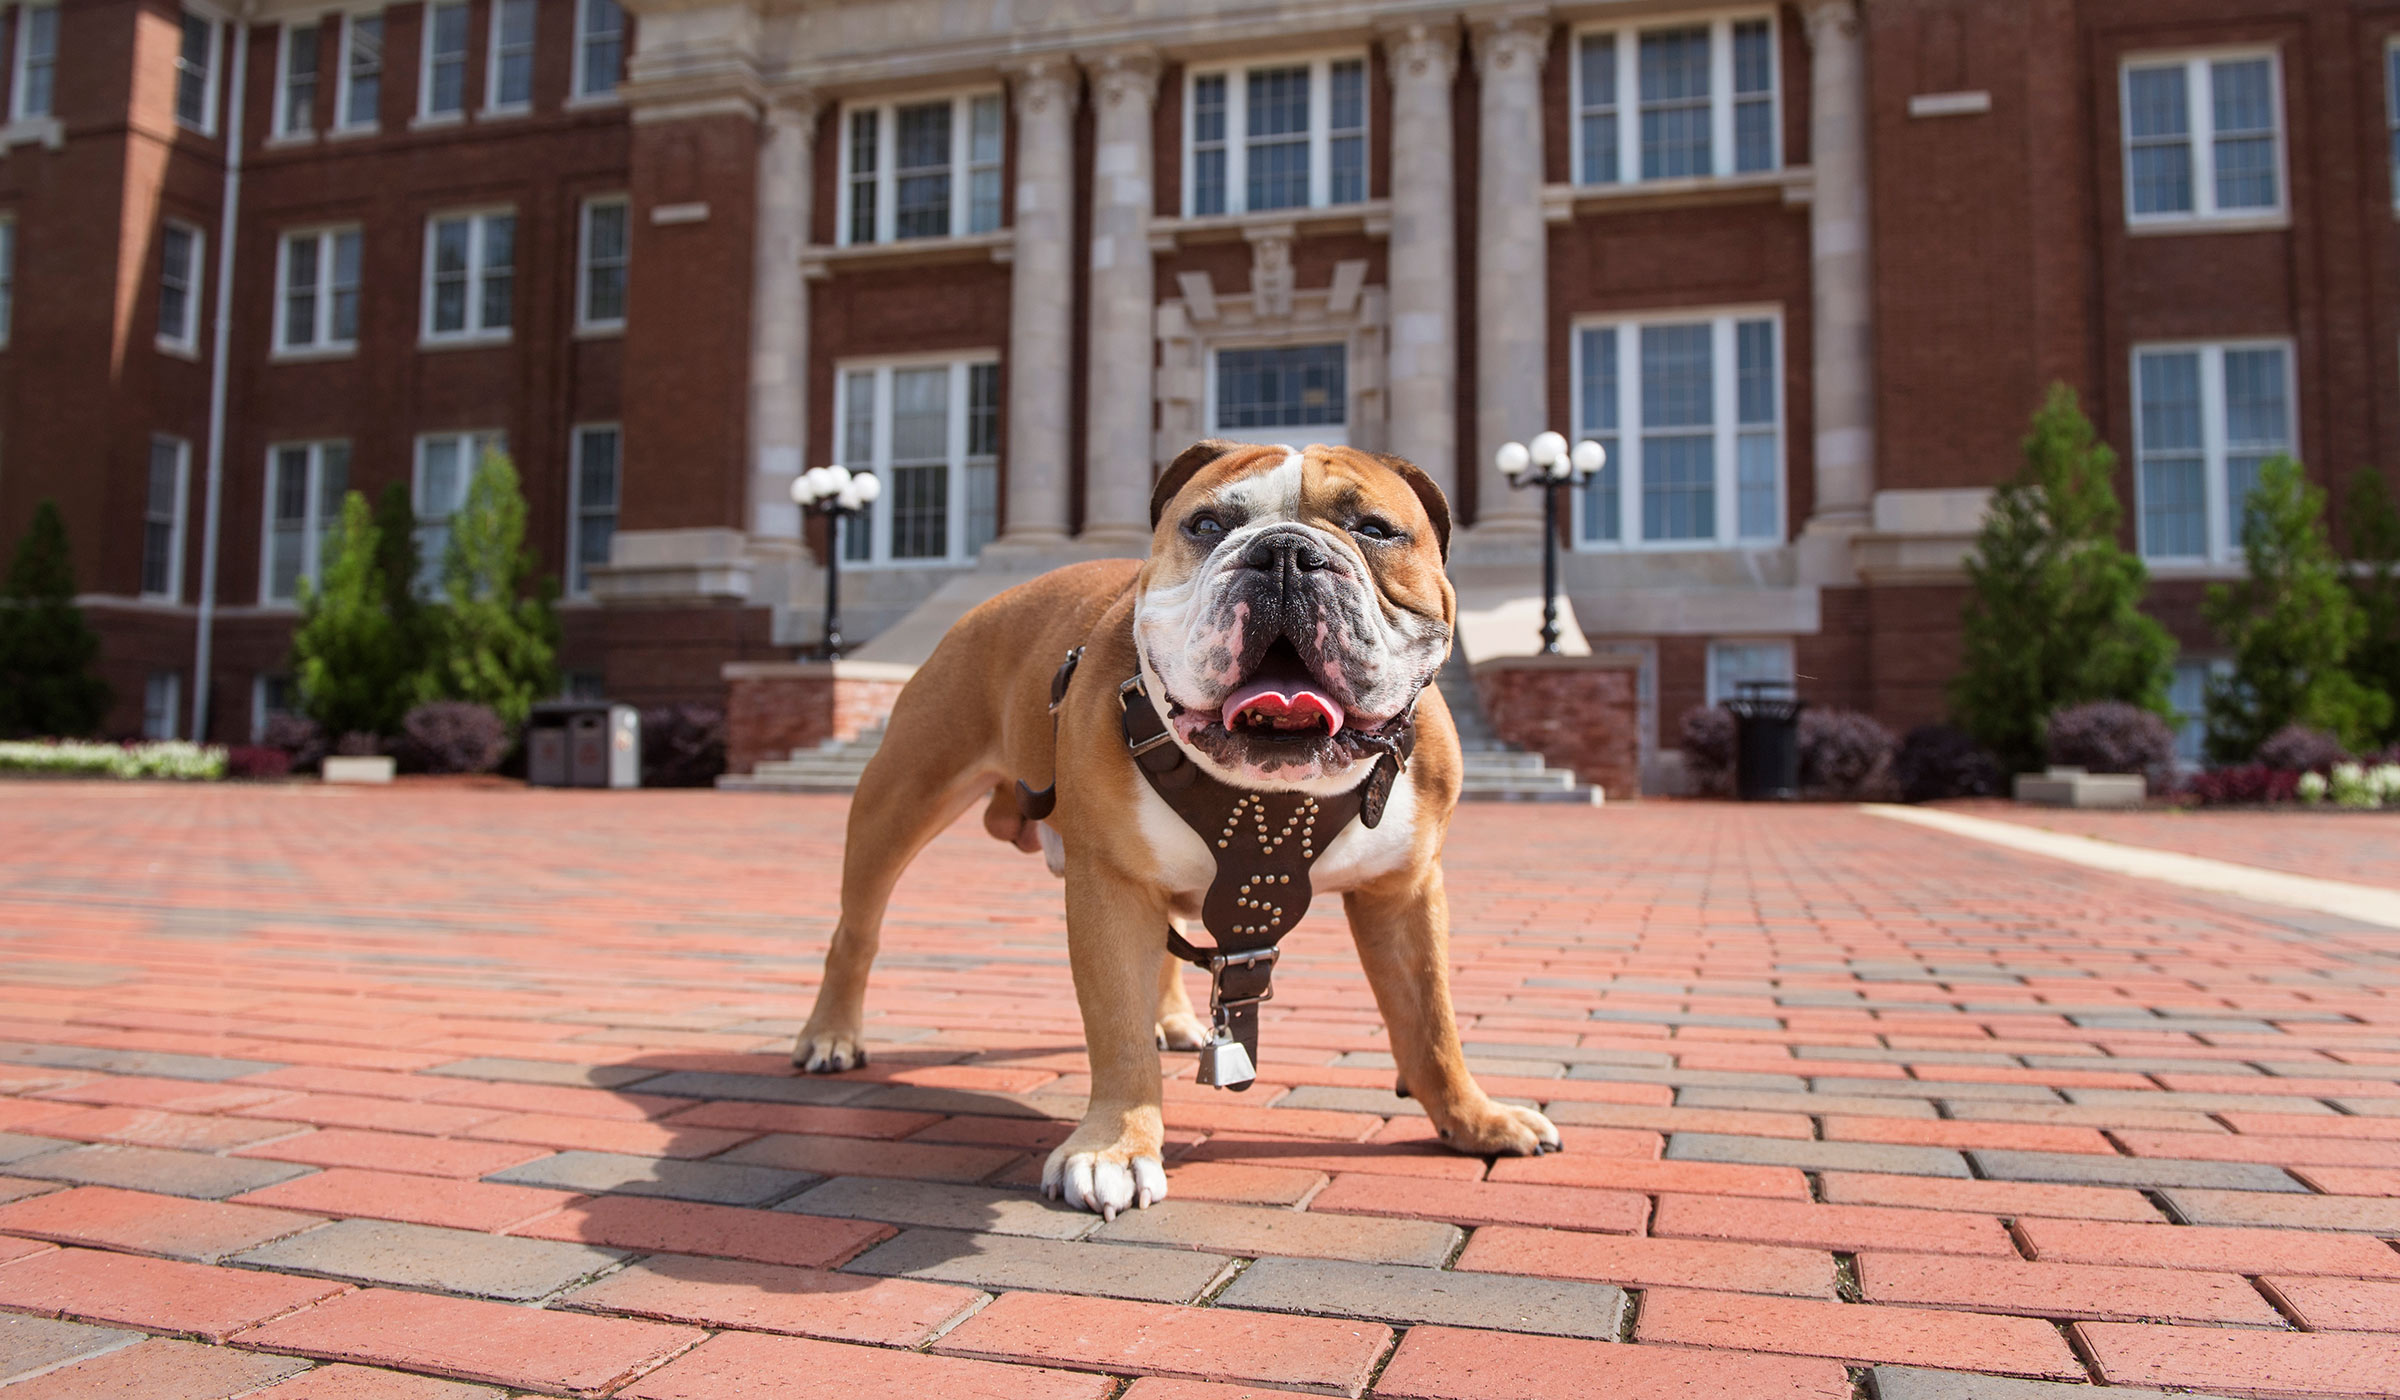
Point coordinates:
[(826, 260), (1372, 217), (27, 131), (2225, 223), (1793, 185)]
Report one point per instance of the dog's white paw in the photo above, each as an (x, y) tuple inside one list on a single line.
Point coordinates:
[(1102, 1182), (1503, 1130), (829, 1052), (1183, 1031)]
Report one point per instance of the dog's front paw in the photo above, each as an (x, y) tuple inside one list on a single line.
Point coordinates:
[(1503, 1130), (1105, 1181), (829, 1052), (1181, 1031)]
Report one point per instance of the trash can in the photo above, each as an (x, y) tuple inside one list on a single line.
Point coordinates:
[(583, 743), (1766, 740)]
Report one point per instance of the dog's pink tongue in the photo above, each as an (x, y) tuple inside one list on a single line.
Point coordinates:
[(1289, 703)]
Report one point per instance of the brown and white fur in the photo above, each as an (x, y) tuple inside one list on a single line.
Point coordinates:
[(1331, 554)]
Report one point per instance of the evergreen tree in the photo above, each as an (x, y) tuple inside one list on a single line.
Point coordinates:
[(2055, 616), (398, 563), (2292, 623), (47, 688), (497, 636), (355, 670), (2374, 528)]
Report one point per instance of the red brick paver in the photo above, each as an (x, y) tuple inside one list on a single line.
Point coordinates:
[(1836, 1093)]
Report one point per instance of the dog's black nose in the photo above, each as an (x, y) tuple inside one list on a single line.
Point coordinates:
[(1283, 551)]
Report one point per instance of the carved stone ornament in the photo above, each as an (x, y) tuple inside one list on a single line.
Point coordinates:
[(1426, 49), (1271, 275), (1512, 41), (1832, 16), (1039, 83), (1118, 76)]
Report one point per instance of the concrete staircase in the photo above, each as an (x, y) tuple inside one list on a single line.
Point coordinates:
[(1495, 771)]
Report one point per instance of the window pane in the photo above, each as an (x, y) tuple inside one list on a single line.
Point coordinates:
[(38, 32), (499, 264), (1600, 148), (604, 268), (439, 485), (1292, 386), (447, 49), (1208, 150), (1755, 472), (365, 70), (1678, 469), (1675, 108), (2174, 497), (2174, 508), (191, 70), (983, 410), (923, 166), (1208, 182), (921, 414), (2246, 176), (2242, 96), (1755, 347), (2256, 415), (595, 501), (858, 420), (1347, 150), (2170, 402), (1596, 70), (333, 479), (983, 506), (1731, 663), (863, 152), (1598, 421), (920, 512), (1678, 383), (1679, 495), (603, 46), (300, 77), (176, 247), (2158, 128), (345, 287), (1596, 94), (1208, 108), (983, 155), (514, 84), (300, 291), (1277, 155)]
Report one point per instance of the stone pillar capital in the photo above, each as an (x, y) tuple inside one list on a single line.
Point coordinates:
[(1511, 42), (1831, 19), (1040, 85), (1422, 49), (1121, 75), (791, 107)]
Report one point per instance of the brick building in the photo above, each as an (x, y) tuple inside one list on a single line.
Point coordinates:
[(1805, 267)]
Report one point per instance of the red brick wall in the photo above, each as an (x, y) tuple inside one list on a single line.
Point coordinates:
[(1575, 713), (790, 708)]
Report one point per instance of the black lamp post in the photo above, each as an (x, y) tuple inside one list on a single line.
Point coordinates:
[(1554, 468), (837, 493)]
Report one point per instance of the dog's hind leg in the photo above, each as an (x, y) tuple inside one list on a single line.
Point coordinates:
[(890, 821)]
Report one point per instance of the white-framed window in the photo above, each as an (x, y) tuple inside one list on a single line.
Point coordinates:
[(305, 482), (921, 168), (196, 74), (162, 518), (930, 429), (2203, 137), (181, 250), (1684, 100), (2206, 418), (592, 514), (1285, 134), (599, 47), (1281, 393), (1734, 661), (359, 98), (296, 68), (442, 71), (470, 274), (2187, 695), (8, 276), (32, 86), (600, 256), (162, 698), (508, 72), (316, 277), (1690, 408), (271, 698), (445, 468)]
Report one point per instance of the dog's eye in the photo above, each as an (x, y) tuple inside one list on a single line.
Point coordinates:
[(1373, 528), (1205, 526)]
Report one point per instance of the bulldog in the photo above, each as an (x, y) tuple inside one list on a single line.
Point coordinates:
[(1285, 628)]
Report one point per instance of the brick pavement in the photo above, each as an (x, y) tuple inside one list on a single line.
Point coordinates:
[(445, 1094)]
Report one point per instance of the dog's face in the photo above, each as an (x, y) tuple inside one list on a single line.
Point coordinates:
[(1293, 607)]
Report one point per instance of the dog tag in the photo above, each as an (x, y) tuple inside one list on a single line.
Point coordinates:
[(1224, 1064)]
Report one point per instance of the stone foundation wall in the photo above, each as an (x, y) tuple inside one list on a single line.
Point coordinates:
[(1579, 712), (774, 708)]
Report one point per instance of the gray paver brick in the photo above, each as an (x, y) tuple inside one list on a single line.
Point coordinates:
[(2199, 1103), (1686, 1018), (544, 1072), (2084, 1115), (1260, 1230), (428, 1256), (921, 1098), (1476, 1064), (1052, 1266), (2369, 1108), (16, 1147), (2200, 1206), (209, 1068), (1382, 1102), (1402, 1294), (1913, 1383), (1693, 1078), (722, 1183), (977, 1209), (2140, 1064), (2093, 1170), (759, 1088), (1804, 1103), (1816, 1156), (160, 1169), (1932, 1089), (1570, 1054), (29, 1345), (2142, 1021), (1881, 1055)]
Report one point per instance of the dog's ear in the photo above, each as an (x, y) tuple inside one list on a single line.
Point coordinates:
[(1179, 473), (1437, 506)]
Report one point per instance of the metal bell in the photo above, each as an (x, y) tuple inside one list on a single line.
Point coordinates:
[(1224, 1064)]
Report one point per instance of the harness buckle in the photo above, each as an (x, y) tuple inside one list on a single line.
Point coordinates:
[(1125, 693), (1262, 960)]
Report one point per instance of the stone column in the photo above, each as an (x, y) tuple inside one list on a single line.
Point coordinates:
[(779, 317), (1117, 441), (1843, 358), (1512, 312), (1422, 380), (1041, 305)]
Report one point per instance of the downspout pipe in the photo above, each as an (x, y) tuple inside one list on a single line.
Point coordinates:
[(219, 376)]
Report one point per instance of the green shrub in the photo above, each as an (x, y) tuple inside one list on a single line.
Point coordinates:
[(2373, 525), (494, 635), (356, 670), (46, 648), (2055, 616), (2291, 624)]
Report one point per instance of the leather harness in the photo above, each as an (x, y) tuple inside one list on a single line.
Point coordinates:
[(1265, 845)]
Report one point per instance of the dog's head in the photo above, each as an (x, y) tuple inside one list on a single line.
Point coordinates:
[(1293, 607)]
